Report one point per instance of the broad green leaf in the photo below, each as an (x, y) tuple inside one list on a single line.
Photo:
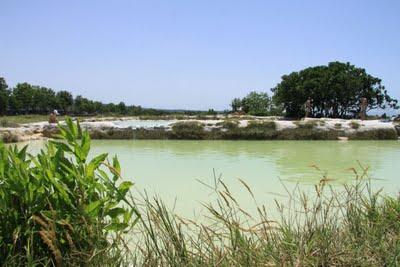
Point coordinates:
[(115, 212), (116, 227), (94, 164), (93, 207)]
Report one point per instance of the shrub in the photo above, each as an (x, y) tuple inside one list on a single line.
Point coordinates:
[(60, 208), (307, 124), (354, 125), (8, 137), (155, 133), (188, 130), (260, 130), (374, 134), (304, 133), (338, 125), (6, 123), (229, 124)]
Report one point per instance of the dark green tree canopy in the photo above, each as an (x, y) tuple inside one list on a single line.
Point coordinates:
[(65, 100), (255, 103), (236, 104), (4, 95), (25, 98), (336, 91)]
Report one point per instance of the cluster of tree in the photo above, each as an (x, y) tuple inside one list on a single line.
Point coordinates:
[(335, 90), (30, 99), (257, 104)]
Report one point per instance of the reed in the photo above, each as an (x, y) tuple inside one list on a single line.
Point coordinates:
[(334, 226)]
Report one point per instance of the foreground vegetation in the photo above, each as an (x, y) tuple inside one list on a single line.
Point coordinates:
[(60, 208)]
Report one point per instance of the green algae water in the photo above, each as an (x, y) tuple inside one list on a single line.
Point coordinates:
[(176, 170)]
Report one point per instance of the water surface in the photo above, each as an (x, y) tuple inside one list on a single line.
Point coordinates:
[(171, 169)]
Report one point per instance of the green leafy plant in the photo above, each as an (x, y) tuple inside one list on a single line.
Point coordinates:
[(62, 206)]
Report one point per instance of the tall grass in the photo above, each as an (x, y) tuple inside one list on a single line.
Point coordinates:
[(352, 226)]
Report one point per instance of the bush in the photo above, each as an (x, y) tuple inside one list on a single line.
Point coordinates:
[(354, 125), (228, 124), (306, 133), (188, 130), (260, 130), (8, 124), (338, 126), (374, 134), (307, 124), (60, 208)]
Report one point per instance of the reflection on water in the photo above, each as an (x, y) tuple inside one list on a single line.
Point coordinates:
[(170, 168)]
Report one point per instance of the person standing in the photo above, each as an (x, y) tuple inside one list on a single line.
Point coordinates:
[(363, 108), (53, 117), (308, 107)]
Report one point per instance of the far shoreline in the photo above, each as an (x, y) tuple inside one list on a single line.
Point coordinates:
[(211, 127)]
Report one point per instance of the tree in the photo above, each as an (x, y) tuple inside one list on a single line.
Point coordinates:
[(336, 90), (84, 106), (4, 96), (23, 97), (64, 100), (257, 104), (211, 111), (121, 108), (236, 104), (43, 100)]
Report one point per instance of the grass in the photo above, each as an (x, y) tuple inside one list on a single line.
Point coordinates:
[(61, 209), (21, 119), (352, 226), (32, 118)]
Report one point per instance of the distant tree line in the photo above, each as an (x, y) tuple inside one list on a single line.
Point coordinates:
[(25, 98), (335, 90)]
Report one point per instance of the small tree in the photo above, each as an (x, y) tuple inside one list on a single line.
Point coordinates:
[(236, 104), (257, 104)]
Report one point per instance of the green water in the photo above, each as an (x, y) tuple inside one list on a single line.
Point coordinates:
[(171, 169)]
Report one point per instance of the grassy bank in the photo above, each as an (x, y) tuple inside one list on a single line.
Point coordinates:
[(21, 119), (61, 208)]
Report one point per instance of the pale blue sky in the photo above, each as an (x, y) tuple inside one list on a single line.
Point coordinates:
[(190, 54)]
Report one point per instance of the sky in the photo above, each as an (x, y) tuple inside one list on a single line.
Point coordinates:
[(191, 54)]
